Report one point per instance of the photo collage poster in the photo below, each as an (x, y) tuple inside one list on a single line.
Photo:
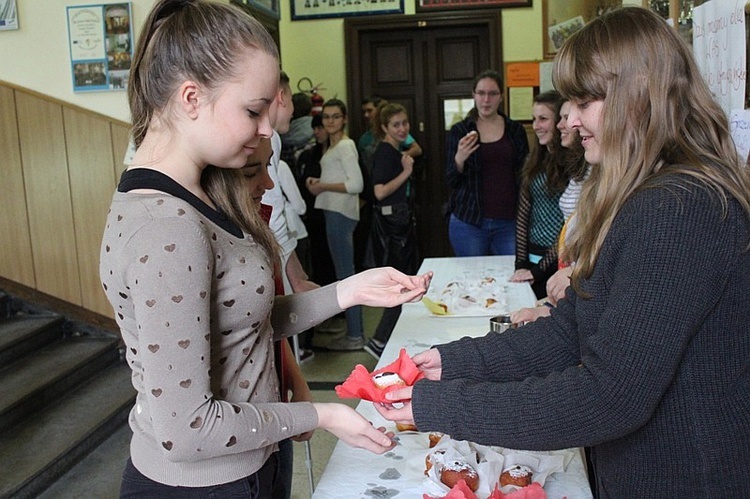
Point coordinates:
[(101, 46)]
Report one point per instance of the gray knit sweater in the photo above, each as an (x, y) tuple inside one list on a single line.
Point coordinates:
[(195, 305), (652, 371)]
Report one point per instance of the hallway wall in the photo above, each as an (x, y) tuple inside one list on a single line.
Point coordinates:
[(36, 56)]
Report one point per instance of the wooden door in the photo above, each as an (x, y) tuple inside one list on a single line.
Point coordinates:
[(427, 63)]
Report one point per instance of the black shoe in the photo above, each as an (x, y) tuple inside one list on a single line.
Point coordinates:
[(374, 348)]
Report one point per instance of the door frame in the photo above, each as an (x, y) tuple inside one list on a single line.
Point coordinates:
[(432, 231), (355, 26)]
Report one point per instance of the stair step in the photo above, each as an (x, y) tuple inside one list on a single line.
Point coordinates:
[(4, 304), (52, 440), (38, 379), (22, 334), (99, 474)]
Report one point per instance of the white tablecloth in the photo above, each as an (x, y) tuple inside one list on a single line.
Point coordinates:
[(356, 473)]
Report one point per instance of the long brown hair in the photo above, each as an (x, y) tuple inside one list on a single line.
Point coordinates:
[(228, 188), (551, 159), (199, 40), (658, 115)]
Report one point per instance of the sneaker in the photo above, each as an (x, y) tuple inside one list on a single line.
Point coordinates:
[(333, 325), (374, 348), (346, 344), (306, 355)]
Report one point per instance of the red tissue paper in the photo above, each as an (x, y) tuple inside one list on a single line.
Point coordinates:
[(533, 491), (459, 491), (359, 384), (462, 491)]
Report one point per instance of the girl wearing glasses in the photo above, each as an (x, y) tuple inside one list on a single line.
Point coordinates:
[(485, 154), (336, 193)]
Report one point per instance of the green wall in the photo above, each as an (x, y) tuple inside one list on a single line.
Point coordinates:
[(315, 49)]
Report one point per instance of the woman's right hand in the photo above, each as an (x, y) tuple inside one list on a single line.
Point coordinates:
[(466, 147), (558, 283), (352, 428), (381, 287), (430, 363), (407, 162)]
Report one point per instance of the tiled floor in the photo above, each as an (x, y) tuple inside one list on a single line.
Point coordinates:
[(323, 372)]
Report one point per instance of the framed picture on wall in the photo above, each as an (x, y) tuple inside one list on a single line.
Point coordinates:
[(8, 15), (320, 9), (432, 5), (101, 46), (270, 7)]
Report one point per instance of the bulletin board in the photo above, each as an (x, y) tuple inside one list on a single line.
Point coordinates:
[(522, 84)]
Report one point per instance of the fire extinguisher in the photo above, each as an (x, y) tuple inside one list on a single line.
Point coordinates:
[(314, 91), (317, 101)]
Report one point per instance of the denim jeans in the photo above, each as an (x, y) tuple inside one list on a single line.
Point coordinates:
[(262, 484), (340, 234), (493, 237)]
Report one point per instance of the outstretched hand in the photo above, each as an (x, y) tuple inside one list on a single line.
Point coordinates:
[(381, 287), (352, 428)]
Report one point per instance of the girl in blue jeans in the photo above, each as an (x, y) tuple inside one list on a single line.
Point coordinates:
[(336, 193)]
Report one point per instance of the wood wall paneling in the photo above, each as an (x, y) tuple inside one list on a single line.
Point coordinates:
[(91, 186), (16, 262), (43, 155), (120, 138)]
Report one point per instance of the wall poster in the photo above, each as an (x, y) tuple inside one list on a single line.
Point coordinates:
[(431, 5), (101, 46), (318, 9), (8, 15)]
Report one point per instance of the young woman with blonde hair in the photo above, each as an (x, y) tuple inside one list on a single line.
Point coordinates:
[(647, 360)]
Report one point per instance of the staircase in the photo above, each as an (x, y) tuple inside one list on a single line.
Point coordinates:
[(65, 395)]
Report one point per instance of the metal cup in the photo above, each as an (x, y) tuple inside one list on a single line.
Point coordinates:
[(501, 323)]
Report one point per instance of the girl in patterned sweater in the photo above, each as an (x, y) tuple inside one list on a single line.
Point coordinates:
[(192, 290)]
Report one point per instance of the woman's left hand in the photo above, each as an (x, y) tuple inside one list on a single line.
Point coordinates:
[(522, 275), (313, 185), (402, 414), (524, 315), (382, 287)]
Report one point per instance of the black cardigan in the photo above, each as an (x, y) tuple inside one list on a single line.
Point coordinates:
[(652, 371)]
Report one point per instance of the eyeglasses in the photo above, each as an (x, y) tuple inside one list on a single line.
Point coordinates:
[(332, 116), (482, 94)]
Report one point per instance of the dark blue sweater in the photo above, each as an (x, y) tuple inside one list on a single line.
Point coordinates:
[(652, 371)]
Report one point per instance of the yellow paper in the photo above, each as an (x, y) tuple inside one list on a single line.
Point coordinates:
[(434, 307), (520, 100)]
